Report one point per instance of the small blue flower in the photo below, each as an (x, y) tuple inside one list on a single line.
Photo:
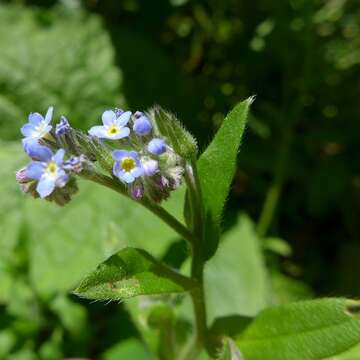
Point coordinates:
[(38, 126), (48, 172), (62, 127), (157, 146), (127, 165), (142, 125), (114, 126)]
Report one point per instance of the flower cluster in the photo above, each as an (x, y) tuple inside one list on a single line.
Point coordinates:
[(127, 149)]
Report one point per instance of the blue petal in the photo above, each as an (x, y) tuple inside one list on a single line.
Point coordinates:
[(62, 178), (38, 152), (98, 131), (118, 155), (49, 114), (138, 171), (124, 132), (108, 117), (127, 177), (35, 118), (45, 186), (134, 155), (59, 156), (47, 129), (117, 171), (123, 119), (35, 170), (27, 130)]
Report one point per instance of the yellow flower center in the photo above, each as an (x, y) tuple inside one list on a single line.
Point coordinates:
[(51, 168), (113, 130), (127, 164)]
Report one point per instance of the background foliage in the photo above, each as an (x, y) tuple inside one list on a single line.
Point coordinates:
[(295, 200)]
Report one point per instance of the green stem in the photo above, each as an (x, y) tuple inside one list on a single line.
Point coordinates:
[(197, 264)]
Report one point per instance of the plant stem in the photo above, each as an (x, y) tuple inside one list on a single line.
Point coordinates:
[(274, 192), (197, 264), (169, 219)]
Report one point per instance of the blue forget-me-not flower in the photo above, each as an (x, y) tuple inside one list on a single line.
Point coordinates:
[(113, 127), (38, 126), (48, 170), (127, 165)]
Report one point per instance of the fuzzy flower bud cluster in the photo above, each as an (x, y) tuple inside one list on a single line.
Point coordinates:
[(127, 149)]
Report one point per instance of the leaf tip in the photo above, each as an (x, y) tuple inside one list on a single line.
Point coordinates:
[(251, 99)]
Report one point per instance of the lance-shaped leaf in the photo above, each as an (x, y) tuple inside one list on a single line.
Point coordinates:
[(305, 330), (131, 272), (216, 168)]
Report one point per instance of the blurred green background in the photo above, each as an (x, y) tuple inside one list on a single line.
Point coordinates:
[(298, 177)]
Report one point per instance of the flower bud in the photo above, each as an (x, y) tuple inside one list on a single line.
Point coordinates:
[(151, 167), (62, 127), (157, 146), (21, 176), (137, 191), (142, 125), (75, 163)]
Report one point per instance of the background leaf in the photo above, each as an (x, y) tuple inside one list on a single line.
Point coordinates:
[(66, 61), (306, 330), (131, 272), (129, 349), (216, 168), (235, 278)]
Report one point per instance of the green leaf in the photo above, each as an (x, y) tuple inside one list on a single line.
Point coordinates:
[(128, 349), (306, 330), (216, 168), (235, 278), (231, 325), (352, 354), (131, 272), (285, 289)]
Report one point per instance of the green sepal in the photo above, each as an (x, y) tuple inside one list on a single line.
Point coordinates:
[(170, 127)]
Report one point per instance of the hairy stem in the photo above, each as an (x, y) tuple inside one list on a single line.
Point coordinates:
[(197, 261)]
